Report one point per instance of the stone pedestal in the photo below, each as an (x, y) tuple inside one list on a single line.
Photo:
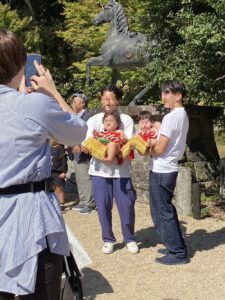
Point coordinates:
[(183, 192), (140, 174), (222, 178), (196, 202)]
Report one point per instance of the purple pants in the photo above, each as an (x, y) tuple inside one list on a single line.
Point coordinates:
[(104, 190)]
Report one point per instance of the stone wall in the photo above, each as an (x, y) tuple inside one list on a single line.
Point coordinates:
[(140, 173)]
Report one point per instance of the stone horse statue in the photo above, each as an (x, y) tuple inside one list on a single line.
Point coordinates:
[(122, 48)]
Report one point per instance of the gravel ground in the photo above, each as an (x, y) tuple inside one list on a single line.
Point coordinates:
[(122, 275)]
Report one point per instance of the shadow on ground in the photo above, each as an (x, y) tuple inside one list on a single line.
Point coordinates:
[(147, 238), (94, 283), (199, 240)]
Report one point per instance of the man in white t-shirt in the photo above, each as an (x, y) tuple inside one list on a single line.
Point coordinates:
[(166, 152)]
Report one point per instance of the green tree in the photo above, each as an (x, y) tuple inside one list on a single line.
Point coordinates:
[(10, 19), (43, 19), (191, 46)]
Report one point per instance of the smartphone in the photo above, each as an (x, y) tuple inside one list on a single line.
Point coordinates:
[(30, 69)]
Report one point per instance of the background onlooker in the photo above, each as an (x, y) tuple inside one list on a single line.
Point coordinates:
[(86, 204)]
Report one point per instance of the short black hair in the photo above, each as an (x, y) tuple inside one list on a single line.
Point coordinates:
[(115, 90), (81, 95), (144, 115), (114, 113), (174, 86)]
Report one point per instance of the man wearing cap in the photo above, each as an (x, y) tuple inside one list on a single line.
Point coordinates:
[(81, 160)]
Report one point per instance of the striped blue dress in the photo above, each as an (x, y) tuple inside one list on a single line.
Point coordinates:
[(28, 121)]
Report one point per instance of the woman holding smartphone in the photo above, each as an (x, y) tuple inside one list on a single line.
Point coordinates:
[(33, 237)]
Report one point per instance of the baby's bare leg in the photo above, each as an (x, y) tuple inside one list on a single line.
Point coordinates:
[(59, 190), (112, 150)]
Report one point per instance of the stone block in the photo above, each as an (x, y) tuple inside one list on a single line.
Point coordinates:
[(222, 178), (183, 192), (202, 171)]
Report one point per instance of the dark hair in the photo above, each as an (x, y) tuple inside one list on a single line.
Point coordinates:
[(114, 113), (81, 95), (12, 55), (115, 90), (144, 115), (174, 86), (156, 118)]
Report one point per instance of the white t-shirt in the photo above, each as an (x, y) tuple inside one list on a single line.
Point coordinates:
[(109, 170), (174, 126)]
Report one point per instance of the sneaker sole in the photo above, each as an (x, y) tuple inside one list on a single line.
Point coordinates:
[(132, 252), (107, 253), (158, 261)]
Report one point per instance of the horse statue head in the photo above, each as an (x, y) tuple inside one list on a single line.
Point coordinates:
[(122, 48), (106, 15)]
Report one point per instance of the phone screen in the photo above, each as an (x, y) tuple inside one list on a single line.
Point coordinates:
[(30, 69)]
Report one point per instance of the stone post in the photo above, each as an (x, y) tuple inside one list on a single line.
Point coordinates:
[(222, 178), (183, 192), (196, 201)]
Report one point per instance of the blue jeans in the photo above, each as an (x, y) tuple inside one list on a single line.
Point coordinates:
[(163, 212)]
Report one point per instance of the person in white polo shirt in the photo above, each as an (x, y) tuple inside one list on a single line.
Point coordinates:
[(166, 151)]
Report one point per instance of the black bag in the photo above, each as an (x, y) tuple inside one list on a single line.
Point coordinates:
[(71, 286)]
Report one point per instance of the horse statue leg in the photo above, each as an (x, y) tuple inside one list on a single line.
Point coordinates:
[(137, 98), (94, 61), (88, 78), (115, 76)]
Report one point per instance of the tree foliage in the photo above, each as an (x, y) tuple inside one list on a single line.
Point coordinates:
[(191, 46), (20, 25), (190, 37)]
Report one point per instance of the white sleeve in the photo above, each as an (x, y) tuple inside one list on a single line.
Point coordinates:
[(167, 127)]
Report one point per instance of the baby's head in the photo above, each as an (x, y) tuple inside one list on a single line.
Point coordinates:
[(144, 121), (111, 120), (53, 142)]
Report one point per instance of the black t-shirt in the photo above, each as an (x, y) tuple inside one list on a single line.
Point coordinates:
[(59, 159)]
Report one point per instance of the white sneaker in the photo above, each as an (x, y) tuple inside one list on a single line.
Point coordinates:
[(132, 247), (107, 248)]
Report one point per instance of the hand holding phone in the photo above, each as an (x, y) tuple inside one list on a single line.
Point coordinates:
[(43, 83), (30, 69)]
